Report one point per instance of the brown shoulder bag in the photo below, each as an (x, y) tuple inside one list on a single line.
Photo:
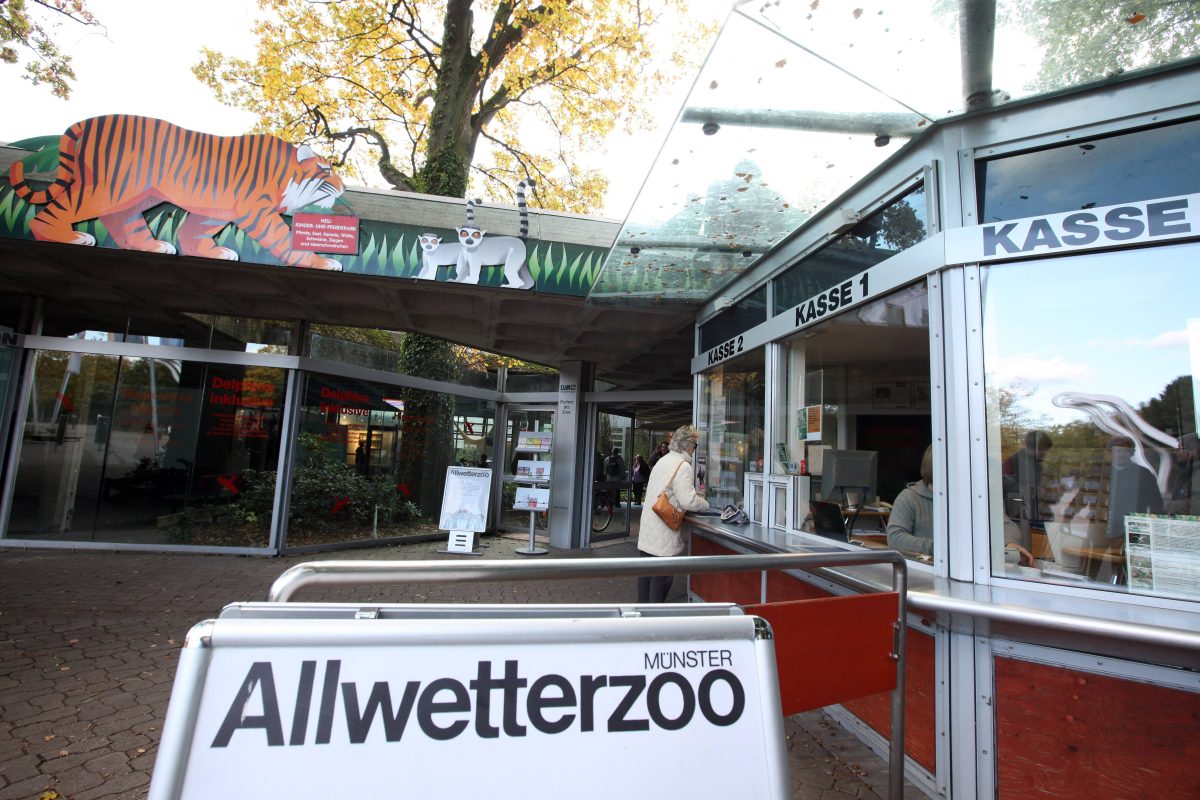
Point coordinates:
[(665, 509)]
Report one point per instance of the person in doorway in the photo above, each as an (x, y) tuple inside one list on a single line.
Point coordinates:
[(361, 457), (673, 475), (614, 471), (660, 451), (640, 474)]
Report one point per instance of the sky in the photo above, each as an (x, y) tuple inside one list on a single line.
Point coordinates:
[(142, 65)]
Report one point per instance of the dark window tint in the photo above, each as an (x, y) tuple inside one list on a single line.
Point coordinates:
[(749, 311), (1142, 165), (895, 227)]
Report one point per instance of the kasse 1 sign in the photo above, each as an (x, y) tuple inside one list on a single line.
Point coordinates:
[(581, 708)]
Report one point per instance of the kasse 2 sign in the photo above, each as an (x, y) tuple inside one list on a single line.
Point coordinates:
[(522, 716)]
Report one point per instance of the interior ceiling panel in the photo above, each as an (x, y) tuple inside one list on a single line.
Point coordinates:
[(544, 328)]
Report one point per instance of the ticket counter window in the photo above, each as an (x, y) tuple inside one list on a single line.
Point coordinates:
[(732, 418), (853, 420), (1094, 464)]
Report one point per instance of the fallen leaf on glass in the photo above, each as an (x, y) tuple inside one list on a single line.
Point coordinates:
[(1135, 18)]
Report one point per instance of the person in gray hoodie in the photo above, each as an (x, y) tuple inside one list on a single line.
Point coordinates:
[(910, 525)]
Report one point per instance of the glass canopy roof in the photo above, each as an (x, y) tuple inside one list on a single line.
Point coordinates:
[(800, 99)]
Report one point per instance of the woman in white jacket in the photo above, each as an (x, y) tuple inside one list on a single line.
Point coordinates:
[(672, 474)]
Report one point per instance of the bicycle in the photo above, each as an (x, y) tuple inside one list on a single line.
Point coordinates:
[(602, 509)]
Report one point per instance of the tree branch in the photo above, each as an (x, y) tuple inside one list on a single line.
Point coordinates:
[(320, 126)]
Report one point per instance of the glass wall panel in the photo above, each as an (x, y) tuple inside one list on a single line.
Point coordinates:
[(749, 311), (898, 226), (531, 382), (1142, 165), (350, 483), (853, 421), (1094, 465), (731, 421), (147, 450)]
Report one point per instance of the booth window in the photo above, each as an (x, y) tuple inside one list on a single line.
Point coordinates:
[(1094, 464), (1126, 168), (751, 310), (731, 421), (895, 227), (853, 420)]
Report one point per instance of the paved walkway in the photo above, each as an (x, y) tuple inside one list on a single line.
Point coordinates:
[(89, 643)]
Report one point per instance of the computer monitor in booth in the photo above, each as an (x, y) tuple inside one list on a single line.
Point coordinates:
[(850, 476)]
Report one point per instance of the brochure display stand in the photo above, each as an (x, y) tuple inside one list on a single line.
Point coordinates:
[(533, 478)]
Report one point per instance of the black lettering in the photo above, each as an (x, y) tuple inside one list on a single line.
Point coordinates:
[(846, 292), (358, 724), (994, 237), (812, 310), (1080, 229), (800, 320), (617, 723), (705, 696), (1040, 235), (537, 702), (1166, 218), (308, 671), (482, 686), (588, 684), (739, 346), (259, 677), (1122, 225), (822, 305), (654, 701), (333, 669), (862, 282), (428, 706), (511, 684)]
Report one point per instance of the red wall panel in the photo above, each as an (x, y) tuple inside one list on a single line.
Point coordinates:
[(742, 588), (1065, 733)]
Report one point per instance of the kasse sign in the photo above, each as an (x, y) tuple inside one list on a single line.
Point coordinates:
[(1087, 229), (580, 708)]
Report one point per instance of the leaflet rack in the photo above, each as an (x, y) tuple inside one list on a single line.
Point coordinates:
[(535, 475)]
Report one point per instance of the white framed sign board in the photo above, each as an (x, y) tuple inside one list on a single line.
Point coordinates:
[(465, 501), (581, 706)]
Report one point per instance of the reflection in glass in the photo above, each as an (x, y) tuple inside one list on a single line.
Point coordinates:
[(748, 312), (1092, 419), (898, 226), (1143, 165), (147, 450), (731, 421)]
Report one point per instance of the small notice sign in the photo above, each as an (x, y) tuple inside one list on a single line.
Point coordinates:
[(533, 442), (325, 233), (533, 469)]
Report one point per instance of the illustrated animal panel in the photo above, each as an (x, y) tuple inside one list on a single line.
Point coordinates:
[(435, 254), (116, 167), (481, 251)]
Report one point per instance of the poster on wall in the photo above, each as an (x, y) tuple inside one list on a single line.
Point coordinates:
[(1163, 554), (465, 499), (808, 424)]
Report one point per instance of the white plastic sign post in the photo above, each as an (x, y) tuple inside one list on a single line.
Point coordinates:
[(562, 705)]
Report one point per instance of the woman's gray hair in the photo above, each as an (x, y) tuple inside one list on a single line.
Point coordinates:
[(684, 438), (927, 466)]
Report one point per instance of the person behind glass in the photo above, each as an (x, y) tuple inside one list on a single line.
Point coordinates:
[(672, 474), (660, 451), (910, 525), (640, 474)]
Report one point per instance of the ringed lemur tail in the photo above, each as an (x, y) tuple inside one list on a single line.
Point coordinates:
[(528, 183), (471, 210)]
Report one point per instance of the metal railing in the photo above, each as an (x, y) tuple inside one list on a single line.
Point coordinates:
[(358, 573)]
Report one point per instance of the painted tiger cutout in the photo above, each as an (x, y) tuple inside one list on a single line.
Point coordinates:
[(116, 167)]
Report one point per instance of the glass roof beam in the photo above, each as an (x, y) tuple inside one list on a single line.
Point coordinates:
[(872, 123), (977, 32)]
